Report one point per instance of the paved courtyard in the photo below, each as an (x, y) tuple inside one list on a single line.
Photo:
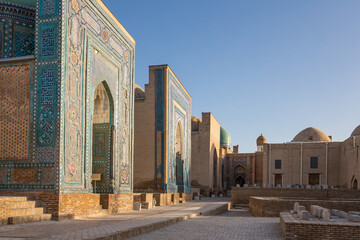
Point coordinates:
[(115, 225), (234, 224), (168, 220)]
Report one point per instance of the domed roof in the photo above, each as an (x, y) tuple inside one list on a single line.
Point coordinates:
[(261, 140), (139, 92), (356, 131), (311, 135), (195, 124), (225, 138)]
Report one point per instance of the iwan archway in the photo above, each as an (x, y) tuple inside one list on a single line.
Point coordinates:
[(179, 149), (102, 142)]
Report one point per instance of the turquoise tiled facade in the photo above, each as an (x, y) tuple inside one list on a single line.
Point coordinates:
[(76, 46)]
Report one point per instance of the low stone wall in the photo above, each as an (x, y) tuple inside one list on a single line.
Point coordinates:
[(272, 206), (242, 195), (293, 228)]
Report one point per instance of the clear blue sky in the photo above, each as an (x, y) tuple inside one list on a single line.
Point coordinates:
[(271, 67)]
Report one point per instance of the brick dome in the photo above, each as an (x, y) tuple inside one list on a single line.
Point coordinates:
[(261, 140), (356, 131), (311, 135), (139, 92)]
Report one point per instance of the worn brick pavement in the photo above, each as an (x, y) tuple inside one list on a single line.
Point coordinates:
[(108, 225), (234, 224)]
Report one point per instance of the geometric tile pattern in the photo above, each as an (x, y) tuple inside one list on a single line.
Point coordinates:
[(48, 8), (24, 175), (24, 44), (102, 161), (17, 27), (179, 110), (48, 175), (47, 47), (3, 175), (47, 109), (14, 111)]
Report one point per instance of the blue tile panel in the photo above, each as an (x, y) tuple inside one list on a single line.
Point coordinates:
[(159, 122)]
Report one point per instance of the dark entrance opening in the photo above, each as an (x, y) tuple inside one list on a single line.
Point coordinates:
[(240, 181), (102, 145)]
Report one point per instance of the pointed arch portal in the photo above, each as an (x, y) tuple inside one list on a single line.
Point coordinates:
[(179, 155), (102, 159)]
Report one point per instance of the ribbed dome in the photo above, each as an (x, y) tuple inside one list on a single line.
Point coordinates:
[(261, 140), (356, 131), (225, 138), (311, 135)]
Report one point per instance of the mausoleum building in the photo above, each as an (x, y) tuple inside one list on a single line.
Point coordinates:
[(163, 136), (66, 106)]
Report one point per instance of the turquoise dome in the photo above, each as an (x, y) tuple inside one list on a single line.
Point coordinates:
[(225, 138)]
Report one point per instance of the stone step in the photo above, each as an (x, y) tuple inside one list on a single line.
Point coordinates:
[(12, 199), (19, 204), (25, 211), (29, 218)]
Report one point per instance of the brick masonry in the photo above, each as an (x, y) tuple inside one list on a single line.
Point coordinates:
[(67, 206), (49, 201), (298, 229), (272, 206), (241, 195)]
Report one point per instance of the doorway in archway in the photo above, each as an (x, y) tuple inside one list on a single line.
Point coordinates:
[(179, 156), (239, 181), (355, 184), (102, 162)]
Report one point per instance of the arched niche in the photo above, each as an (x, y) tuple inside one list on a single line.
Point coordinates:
[(102, 143)]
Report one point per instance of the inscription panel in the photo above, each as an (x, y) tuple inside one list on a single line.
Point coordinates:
[(48, 41), (47, 76)]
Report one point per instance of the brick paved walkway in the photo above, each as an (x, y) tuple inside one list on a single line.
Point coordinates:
[(234, 224), (121, 224)]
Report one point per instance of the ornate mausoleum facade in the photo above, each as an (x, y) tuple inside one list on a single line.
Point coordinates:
[(162, 135), (66, 105)]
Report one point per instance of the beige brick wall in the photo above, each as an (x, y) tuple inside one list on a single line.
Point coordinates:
[(203, 145), (144, 138), (296, 156), (350, 170)]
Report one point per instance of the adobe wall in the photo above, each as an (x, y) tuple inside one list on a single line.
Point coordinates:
[(242, 195)]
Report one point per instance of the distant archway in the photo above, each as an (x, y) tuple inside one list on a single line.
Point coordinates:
[(215, 162), (355, 184), (102, 162), (179, 148), (240, 181)]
